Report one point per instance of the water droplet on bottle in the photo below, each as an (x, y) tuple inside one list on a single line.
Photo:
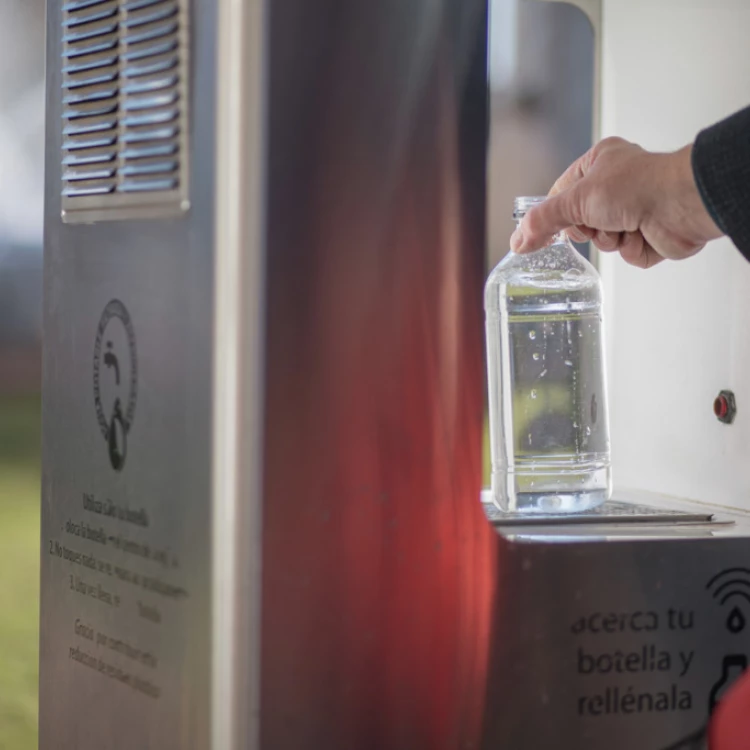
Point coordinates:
[(588, 430), (735, 621), (532, 335), (568, 363), (535, 356), (542, 373), (533, 394), (575, 425), (553, 503)]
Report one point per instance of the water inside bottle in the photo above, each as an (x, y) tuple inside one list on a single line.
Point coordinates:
[(548, 415)]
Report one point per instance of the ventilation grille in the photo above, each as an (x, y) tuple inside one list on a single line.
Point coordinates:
[(124, 107)]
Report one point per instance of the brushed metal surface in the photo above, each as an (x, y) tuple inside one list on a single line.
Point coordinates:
[(133, 673), (615, 642), (372, 217), (618, 636), (377, 561), (293, 465)]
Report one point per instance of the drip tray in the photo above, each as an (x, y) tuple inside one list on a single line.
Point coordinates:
[(614, 512)]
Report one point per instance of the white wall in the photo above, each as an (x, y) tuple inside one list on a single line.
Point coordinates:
[(681, 332)]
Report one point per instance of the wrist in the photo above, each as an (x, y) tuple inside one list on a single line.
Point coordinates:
[(688, 193)]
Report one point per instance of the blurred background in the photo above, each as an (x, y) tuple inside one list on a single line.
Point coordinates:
[(541, 78), (21, 201), (541, 72)]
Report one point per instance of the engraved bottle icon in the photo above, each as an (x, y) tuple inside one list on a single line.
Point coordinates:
[(731, 668)]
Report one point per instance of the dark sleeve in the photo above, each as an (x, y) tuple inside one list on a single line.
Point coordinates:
[(721, 166)]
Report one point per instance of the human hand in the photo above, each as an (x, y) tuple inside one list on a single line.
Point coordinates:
[(646, 206)]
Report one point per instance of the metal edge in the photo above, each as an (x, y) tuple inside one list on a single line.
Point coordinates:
[(583, 520), (160, 206), (238, 375)]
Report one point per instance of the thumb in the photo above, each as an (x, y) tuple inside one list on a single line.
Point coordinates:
[(539, 225)]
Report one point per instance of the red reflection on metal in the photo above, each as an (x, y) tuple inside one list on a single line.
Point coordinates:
[(730, 725), (378, 562)]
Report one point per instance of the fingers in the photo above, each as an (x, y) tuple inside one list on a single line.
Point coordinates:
[(575, 172), (580, 233), (587, 199), (544, 221), (636, 251), (631, 245), (579, 168), (603, 240), (607, 241), (547, 219)]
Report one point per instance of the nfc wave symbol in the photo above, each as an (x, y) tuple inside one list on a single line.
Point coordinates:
[(730, 586)]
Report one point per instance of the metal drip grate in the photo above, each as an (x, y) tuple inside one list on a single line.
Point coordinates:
[(613, 512)]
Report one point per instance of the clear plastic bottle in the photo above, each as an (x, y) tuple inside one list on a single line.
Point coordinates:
[(549, 429)]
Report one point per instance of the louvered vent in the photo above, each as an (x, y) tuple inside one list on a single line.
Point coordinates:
[(124, 108)]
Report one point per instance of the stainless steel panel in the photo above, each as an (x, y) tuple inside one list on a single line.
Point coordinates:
[(126, 522), (608, 638), (298, 499), (377, 561)]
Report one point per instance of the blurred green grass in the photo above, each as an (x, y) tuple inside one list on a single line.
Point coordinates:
[(20, 436)]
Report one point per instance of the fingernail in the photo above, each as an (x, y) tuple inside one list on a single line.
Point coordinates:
[(516, 240)]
